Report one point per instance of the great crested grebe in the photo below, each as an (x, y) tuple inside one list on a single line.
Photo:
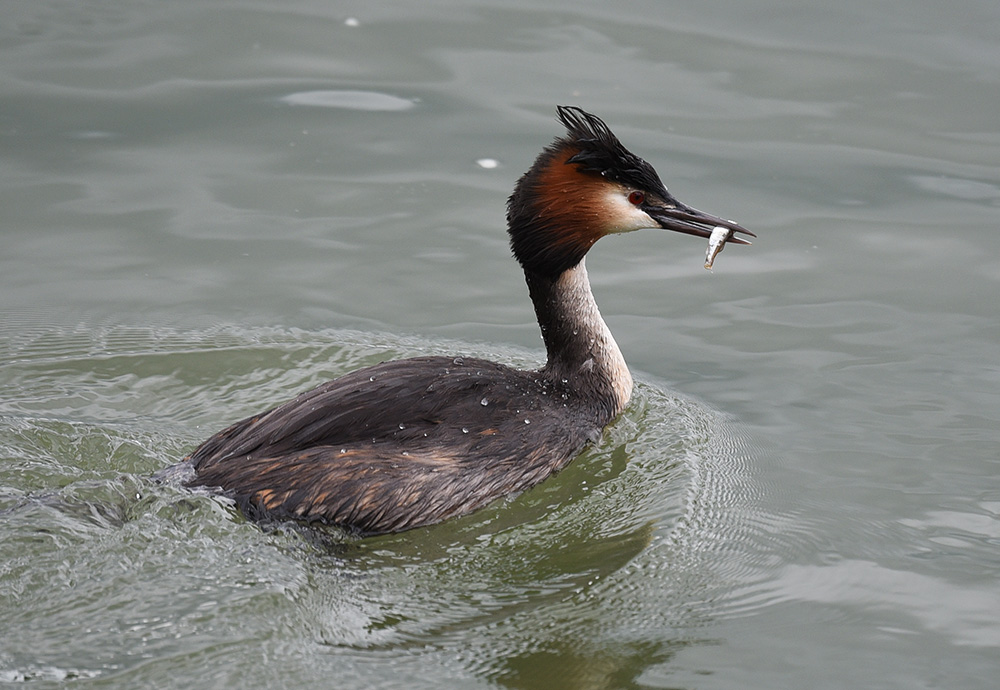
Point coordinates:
[(413, 442)]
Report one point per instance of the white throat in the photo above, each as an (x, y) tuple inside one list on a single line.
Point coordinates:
[(582, 344)]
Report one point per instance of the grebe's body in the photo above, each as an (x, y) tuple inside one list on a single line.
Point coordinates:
[(412, 442)]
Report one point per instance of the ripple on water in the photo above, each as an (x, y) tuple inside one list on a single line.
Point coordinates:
[(372, 101), (654, 529)]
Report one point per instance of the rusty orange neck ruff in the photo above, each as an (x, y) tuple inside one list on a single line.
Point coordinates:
[(557, 213)]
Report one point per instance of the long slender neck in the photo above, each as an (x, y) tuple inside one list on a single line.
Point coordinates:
[(581, 350)]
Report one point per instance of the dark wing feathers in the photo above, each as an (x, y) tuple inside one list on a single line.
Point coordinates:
[(369, 451), (377, 404)]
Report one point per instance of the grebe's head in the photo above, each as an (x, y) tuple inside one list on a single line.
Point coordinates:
[(587, 185)]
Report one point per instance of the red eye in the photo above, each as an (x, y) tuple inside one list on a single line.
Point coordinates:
[(635, 198)]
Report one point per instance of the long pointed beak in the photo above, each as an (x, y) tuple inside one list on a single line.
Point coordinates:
[(691, 221)]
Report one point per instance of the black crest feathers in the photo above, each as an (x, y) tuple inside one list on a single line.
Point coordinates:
[(603, 154)]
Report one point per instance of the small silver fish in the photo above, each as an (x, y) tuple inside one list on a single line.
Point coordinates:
[(716, 242)]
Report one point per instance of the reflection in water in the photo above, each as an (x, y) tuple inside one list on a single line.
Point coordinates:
[(574, 667)]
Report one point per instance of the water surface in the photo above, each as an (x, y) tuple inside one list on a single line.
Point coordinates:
[(206, 208)]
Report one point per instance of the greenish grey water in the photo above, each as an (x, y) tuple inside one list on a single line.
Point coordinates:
[(208, 207)]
